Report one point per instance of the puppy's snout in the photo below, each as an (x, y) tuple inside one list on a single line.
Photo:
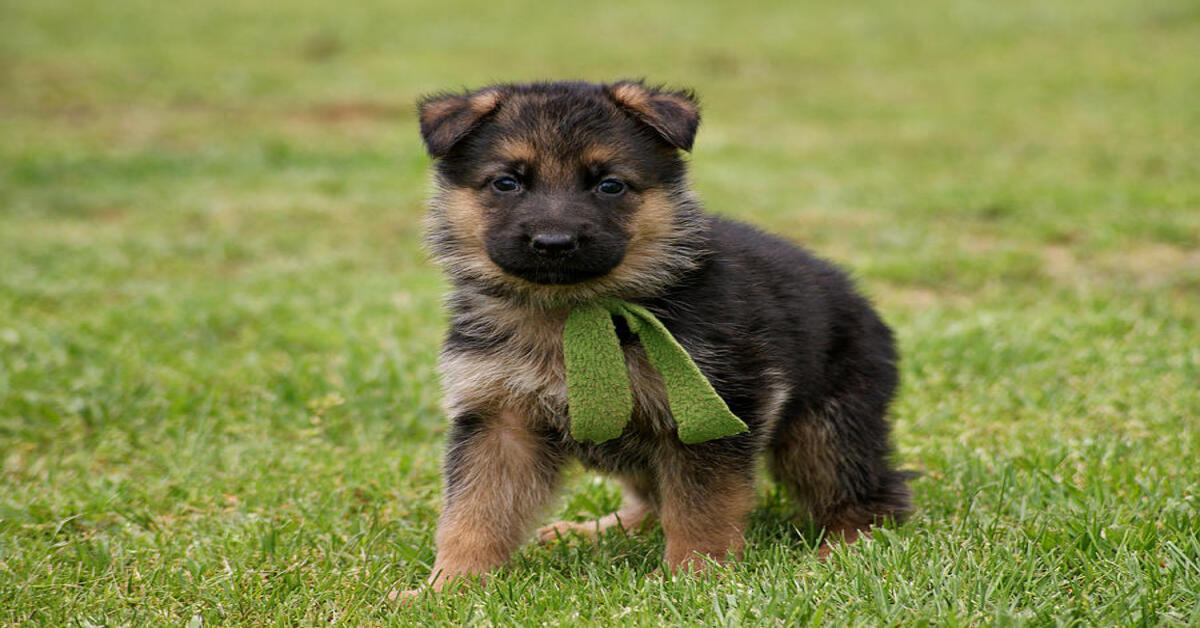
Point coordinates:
[(554, 243)]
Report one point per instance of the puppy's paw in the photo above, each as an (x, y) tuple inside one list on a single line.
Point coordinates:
[(845, 537), (562, 529), (404, 598), (631, 520)]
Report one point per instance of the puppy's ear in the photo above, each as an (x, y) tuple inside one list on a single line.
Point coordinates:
[(447, 118), (674, 115)]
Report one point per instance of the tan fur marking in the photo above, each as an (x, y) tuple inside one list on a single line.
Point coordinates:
[(438, 109), (652, 230), (705, 521), (653, 223), (459, 211), (630, 518), (635, 515), (638, 98), (517, 150), (630, 95), (488, 514), (485, 101), (844, 534), (806, 459), (597, 154), (810, 465), (465, 214), (527, 373)]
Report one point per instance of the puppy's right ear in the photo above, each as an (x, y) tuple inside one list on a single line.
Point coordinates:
[(674, 115), (447, 118)]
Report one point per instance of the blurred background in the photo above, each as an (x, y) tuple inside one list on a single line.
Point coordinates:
[(214, 304)]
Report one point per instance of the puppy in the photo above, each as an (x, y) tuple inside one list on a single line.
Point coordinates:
[(553, 195)]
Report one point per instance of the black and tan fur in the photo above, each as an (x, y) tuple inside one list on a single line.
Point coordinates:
[(527, 223)]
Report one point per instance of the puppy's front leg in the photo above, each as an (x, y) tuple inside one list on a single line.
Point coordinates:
[(499, 475), (704, 509)]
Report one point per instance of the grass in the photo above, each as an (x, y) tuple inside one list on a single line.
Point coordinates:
[(218, 402)]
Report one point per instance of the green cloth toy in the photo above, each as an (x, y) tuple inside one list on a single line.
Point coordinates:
[(598, 392)]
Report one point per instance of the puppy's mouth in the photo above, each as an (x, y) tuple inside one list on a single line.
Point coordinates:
[(555, 273)]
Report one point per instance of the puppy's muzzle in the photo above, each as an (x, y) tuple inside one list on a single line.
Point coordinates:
[(556, 252)]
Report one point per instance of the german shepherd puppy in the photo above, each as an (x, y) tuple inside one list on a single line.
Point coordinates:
[(551, 195)]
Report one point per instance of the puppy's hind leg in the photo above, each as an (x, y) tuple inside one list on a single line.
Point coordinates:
[(834, 461), (635, 515)]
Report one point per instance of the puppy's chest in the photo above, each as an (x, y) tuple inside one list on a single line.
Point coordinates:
[(525, 371)]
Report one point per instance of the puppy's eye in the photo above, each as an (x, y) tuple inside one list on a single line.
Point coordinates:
[(610, 187), (506, 184)]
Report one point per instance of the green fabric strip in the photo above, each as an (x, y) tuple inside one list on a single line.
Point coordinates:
[(598, 393), (598, 390)]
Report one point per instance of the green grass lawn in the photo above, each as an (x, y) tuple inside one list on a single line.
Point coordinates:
[(218, 330)]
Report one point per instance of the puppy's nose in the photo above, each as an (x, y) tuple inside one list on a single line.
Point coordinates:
[(553, 243)]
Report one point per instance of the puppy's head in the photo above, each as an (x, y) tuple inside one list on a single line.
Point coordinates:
[(559, 192)]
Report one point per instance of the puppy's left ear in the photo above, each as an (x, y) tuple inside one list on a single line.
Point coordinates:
[(447, 118), (674, 115)]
